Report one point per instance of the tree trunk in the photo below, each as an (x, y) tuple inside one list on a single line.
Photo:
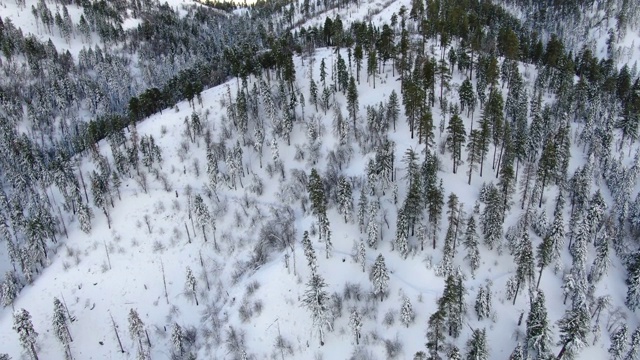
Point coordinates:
[(561, 353)]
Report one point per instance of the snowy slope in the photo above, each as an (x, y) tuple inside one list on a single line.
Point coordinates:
[(98, 288)]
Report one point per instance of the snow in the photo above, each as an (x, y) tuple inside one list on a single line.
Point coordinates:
[(96, 288)]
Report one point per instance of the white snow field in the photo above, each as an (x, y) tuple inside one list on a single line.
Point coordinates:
[(140, 262)]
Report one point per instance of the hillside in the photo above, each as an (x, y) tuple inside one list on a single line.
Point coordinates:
[(369, 186)]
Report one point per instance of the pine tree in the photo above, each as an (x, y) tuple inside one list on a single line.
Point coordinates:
[(618, 345), (362, 209), (524, 263), (406, 312), (177, 339), (633, 281), (380, 277), (435, 203), (634, 346), (436, 333), (402, 235), (601, 262), (137, 332), (9, 289), (345, 199), (393, 109), (84, 217), (362, 256), (316, 300), (313, 93), (492, 217), (317, 195), (454, 353), (203, 217), (309, 253), (538, 334), (61, 327), (483, 303), (352, 103), (544, 255), (24, 327), (517, 353), (355, 323), (455, 139), (467, 97), (191, 285), (477, 345), (470, 243), (546, 165), (477, 150), (573, 328)]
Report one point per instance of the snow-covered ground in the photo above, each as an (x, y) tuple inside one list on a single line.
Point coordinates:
[(152, 240)]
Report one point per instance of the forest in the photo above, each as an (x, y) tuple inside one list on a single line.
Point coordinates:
[(468, 168)]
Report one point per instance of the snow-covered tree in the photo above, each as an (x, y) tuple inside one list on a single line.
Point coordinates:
[(633, 281), (477, 345), (618, 345), (483, 302), (402, 236), (470, 243), (316, 300), (137, 332), (191, 285), (203, 217), (538, 334), (24, 327), (380, 277), (573, 328), (406, 312), (9, 289), (345, 199), (436, 331), (362, 209), (309, 253), (84, 217), (355, 323), (61, 327), (634, 346), (362, 256), (177, 339)]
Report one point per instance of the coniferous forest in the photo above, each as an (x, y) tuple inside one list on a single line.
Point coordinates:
[(298, 179)]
